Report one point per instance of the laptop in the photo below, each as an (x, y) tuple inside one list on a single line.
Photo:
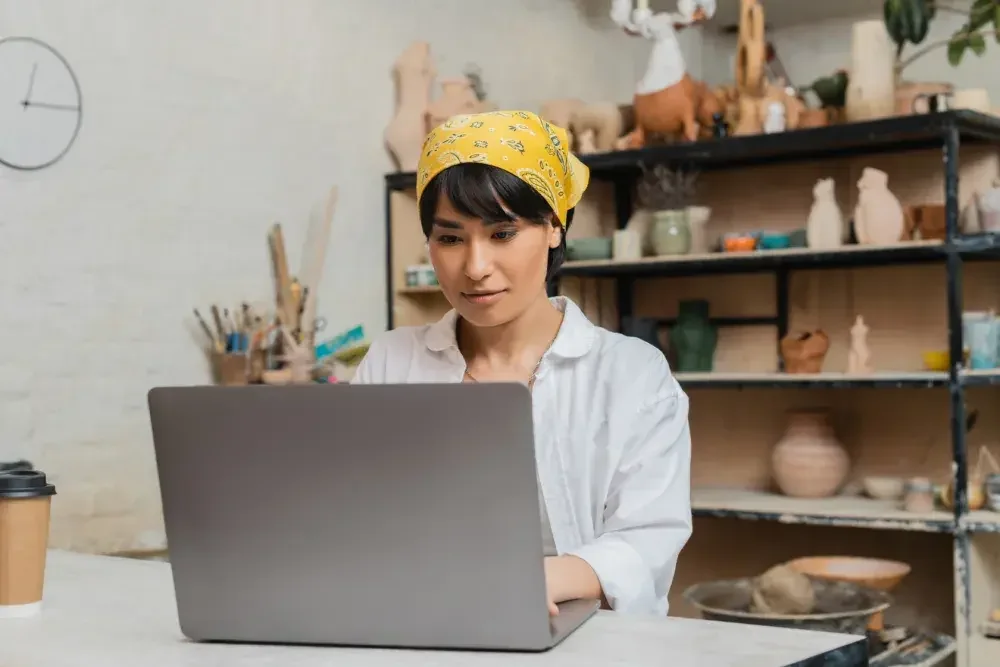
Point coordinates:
[(401, 516)]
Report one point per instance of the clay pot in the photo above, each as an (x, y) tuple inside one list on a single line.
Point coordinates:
[(804, 352), (809, 461)]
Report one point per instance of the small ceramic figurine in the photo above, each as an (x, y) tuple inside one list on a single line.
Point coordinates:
[(825, 226), (878, 217), (775, 120), (859, 356)]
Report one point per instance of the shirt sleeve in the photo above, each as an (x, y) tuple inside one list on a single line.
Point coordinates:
[(647, 519)]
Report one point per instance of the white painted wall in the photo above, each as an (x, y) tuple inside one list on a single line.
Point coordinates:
[(206, 122)]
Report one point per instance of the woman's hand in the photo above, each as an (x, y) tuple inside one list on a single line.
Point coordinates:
[(569, 578)]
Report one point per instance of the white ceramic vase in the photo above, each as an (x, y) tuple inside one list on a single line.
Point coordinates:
[(871, 89)]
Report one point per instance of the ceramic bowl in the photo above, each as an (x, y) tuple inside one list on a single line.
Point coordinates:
[(936, 360), (596, 247), (739, 243), (884, 488), (877, 573), (775, 241)]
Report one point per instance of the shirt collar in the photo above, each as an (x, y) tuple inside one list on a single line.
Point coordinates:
[(575, 337)]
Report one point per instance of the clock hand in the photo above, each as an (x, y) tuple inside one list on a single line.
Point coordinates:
[(31, 86), (46, 105)]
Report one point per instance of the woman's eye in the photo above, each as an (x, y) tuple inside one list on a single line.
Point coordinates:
[(447, 240), (505, 235)]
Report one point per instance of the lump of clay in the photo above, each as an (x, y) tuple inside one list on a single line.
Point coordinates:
[(782, 590)]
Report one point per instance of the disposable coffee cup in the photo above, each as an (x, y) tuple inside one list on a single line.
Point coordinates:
[(25, 505)]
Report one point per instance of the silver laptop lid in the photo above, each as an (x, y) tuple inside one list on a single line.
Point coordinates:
[(388, 515)]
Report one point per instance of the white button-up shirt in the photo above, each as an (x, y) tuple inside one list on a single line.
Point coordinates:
[(612, 445)]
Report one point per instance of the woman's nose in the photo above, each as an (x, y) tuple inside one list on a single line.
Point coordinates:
[(478, 260)]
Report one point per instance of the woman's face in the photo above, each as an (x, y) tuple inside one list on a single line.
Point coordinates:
[(489, 272)]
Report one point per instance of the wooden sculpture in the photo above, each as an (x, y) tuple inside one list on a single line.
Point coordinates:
[(668, 102), (751, 49), (414, 73)]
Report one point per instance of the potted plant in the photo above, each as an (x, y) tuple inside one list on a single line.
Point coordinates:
[(667, 192), (909, 21)]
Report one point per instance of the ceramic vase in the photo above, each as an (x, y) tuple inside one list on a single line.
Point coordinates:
[(671, 232), (693, 338), (808, 461), (698, 223), (871, 89)]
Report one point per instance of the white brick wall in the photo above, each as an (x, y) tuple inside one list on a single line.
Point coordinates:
[(205, 122)]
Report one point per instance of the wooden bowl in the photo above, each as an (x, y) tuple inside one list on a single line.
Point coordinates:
[(882, 575)]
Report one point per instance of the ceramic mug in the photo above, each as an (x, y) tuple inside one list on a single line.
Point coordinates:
[(933, 102), (626, 245)]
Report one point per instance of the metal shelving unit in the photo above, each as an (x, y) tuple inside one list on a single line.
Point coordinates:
[(946, 132)]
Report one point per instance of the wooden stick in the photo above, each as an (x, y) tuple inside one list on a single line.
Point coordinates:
[(312, 269)]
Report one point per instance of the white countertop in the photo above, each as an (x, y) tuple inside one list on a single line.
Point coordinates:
[(116, 612)]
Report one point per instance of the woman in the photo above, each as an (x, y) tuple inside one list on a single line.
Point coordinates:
[(496, 193)]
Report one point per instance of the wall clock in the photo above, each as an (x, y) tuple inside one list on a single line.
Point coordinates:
[(41, 107)]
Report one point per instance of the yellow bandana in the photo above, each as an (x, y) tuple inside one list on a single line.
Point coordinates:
[(518, 142)]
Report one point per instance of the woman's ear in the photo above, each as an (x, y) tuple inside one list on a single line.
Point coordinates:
[(555, 233)]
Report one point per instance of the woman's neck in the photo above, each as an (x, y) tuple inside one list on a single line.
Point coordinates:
[(517, 345)]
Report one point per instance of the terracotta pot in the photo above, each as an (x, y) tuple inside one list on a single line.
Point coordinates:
[(809, 461)]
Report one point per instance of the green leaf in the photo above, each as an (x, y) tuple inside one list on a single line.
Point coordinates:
[(978, 44), (920, 22), (981, 14), (956, 49), (996, 23)]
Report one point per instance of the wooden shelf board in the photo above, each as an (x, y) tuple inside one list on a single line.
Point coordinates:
[(853, 511), (981, 378), (821, 380), (982, 521), (754, 254)]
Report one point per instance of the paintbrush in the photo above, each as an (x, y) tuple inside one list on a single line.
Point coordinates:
[(216, 344)]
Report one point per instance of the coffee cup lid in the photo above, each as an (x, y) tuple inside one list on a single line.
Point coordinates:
[(16, 465), (24, 484)]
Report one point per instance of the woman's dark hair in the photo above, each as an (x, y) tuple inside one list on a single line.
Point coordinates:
[(492, 195)]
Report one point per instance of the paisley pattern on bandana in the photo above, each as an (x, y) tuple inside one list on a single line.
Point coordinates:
[(520, 143)]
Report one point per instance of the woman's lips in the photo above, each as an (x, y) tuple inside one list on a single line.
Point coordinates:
[(483, 298)]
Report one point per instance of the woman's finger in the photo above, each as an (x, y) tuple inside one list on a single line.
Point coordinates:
[(553, 609)]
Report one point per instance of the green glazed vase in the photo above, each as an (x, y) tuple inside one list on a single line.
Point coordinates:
[(693, 338)]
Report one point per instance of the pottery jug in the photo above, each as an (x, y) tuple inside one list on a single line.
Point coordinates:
[(671, 233), (808, 461), (693, 338), (825, 226)]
